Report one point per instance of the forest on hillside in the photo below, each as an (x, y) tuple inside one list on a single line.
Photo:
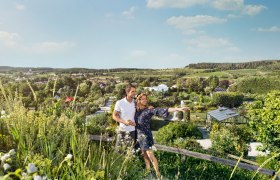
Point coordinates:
[(270, 64)]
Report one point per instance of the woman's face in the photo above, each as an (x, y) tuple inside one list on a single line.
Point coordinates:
[(143, 100)]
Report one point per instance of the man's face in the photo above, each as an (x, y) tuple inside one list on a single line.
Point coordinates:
[(132, 92)]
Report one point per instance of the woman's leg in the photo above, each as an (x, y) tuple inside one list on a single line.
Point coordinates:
[(147, 160), (154, 161)]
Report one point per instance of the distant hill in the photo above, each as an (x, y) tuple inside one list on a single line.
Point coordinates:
[(64, 70), (9, 68), (232, 66)]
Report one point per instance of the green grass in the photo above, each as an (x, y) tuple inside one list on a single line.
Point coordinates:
[(206, 75)]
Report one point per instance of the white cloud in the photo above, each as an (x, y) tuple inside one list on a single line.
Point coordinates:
[(188, 24), (11, 40), (211, 45), (253, 9), (271, 29), (228, 4), (232, 16), (238, 5), (49, 47), (138, 53), (8, 39), (129, 14), (174, 3), (20, 7)]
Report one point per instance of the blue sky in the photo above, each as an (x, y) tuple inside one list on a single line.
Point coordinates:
[(137, 33)]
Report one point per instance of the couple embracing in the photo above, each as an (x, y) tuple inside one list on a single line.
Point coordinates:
[(134, 118)]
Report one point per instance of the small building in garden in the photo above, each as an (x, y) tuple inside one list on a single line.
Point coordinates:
[(223, 115), (159, 88)]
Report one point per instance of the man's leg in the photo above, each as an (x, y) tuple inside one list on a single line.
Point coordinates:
[(120, 141)]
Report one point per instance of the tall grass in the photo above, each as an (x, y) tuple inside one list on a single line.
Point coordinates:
[(46, 139)]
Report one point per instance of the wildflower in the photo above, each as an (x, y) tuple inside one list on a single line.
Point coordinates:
[(23, 174), (127, 137), (3, 112), (37, 177), (132, 151), (12, 152), (69, 157), (6, 166), (5, 157), (31, 168), (45, 178)]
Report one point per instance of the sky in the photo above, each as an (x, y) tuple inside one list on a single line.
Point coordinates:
[(137, 33)]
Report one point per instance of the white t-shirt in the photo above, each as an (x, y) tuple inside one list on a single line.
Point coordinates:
[(126, 111)]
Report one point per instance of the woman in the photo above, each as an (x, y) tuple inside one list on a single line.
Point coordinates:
[(143, 117)]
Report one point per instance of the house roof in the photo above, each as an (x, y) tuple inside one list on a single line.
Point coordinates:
[(222, 113)]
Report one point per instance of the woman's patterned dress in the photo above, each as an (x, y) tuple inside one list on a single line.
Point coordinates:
[(143, 125)]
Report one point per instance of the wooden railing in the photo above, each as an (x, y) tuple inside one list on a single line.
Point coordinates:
[(215, 159), (206, 157)]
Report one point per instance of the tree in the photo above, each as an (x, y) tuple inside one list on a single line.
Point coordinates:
[(120, 91), (264, 119), (194, 84), (213, 82), (145, 83), (84, 89), (224, 84), (207, 90)]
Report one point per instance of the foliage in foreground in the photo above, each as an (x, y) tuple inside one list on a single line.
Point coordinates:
[(58, 147), (265, 120)]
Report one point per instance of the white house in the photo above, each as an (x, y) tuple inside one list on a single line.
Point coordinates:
[(159, 88)]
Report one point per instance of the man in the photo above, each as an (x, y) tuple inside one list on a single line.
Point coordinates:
[(124, 114)]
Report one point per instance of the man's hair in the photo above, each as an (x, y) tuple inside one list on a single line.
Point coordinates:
[(128, 88)]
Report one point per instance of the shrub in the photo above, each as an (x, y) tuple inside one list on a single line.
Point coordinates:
[(259, 85), (272, 163), (265, 122), (199, 108), (243, 131), (171, 132), (227, 99), (225, 140), (100, 124), (186, 143)]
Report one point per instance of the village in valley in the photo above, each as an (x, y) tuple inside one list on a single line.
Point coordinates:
[(234, 114)]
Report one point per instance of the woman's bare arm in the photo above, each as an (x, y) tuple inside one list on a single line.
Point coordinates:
[(182, 109)]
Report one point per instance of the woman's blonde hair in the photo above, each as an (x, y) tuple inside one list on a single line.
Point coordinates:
[(138, 98)]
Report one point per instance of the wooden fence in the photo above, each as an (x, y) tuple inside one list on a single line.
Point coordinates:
[(206, 157)]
